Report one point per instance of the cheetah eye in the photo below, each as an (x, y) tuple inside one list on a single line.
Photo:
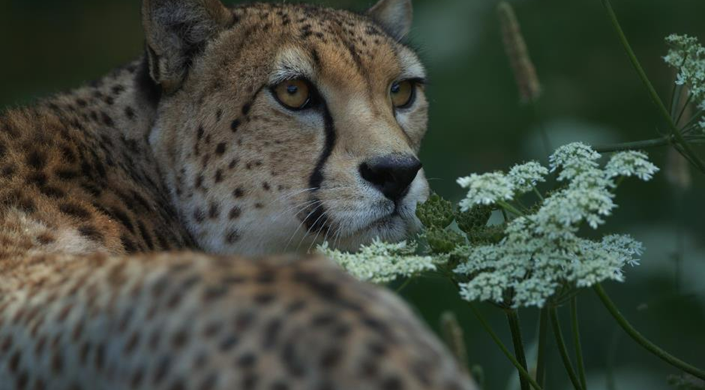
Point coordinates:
[(293, 94), (403, 93)]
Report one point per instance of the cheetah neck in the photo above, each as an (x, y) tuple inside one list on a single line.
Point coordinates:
[(78, 175)]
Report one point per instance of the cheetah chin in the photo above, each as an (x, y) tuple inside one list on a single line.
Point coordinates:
[(380, 218)]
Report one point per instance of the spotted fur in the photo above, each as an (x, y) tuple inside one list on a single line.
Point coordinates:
[(189, 321), (109, 192), (294, 177)]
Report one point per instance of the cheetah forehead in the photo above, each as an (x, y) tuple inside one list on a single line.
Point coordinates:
[(293, 62), (305, 40)]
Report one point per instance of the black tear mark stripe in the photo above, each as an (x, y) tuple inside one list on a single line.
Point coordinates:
[(315, 220), (317, 176)]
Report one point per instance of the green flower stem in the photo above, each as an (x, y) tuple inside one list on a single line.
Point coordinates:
[(536, 191), (515, 328), (510, 208), (541, 355), (522, 371), (576, 341), (504, 215), (649, 143), (403, 285), (685, 107), (563, 350), (641, 340), (690, 128), (652, 92), (677, 92), (694, 119)]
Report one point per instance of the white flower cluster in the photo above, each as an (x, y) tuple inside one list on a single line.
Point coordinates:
[(687, 56), (382, 262), (631, 163), (525, 176), (490, 188), (573, 159), (485, 189), (541, 251)]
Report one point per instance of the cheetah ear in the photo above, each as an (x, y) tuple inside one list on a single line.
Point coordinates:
[(395, 16), (176, 32)]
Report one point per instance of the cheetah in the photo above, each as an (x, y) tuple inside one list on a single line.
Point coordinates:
[(155, 223)]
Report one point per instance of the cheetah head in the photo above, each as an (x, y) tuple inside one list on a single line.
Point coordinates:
[(280, 126)]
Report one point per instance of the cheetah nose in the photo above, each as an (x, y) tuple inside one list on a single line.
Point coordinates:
[(392, 174)]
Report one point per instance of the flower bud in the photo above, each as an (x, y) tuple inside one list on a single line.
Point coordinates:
[(487, 235), (435, 212), (442, 240), (474, 219)]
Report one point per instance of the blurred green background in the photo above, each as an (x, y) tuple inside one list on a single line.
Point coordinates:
[(591, 94)]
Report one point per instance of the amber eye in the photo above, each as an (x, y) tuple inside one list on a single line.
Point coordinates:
[(402, 93), (293, 94)]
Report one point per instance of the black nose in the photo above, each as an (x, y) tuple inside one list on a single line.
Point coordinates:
[(392, 174)]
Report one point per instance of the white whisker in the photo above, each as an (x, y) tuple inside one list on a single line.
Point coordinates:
[(299, 208), (302, 223), (308, 232), (323, 225), (290, 194), (337, 236)]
